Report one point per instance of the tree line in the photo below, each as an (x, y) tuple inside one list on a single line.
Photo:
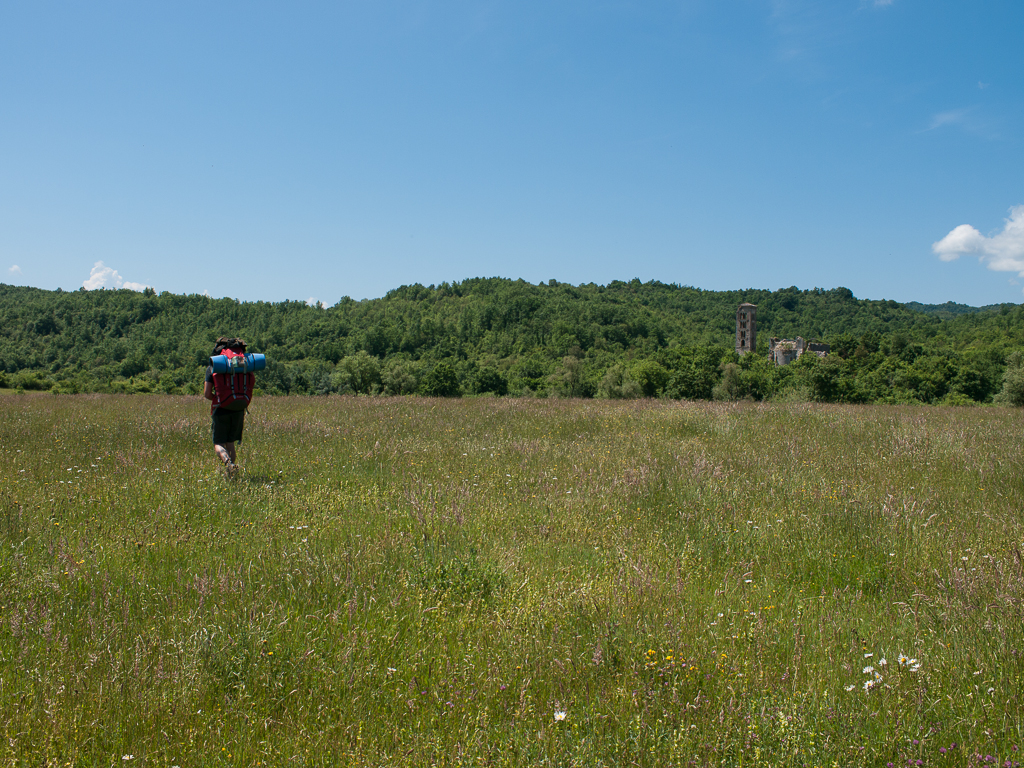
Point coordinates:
[(509, 337)]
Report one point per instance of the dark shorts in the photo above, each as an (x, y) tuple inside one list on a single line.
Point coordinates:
[(227, 426)]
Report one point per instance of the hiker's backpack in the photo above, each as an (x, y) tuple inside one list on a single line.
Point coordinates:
[(233, 379)]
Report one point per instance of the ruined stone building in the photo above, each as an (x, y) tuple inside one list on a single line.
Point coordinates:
[(785, 351), (746, 328), (780, 351)]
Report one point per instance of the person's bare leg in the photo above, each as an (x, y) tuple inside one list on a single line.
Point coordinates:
[(225, 452)]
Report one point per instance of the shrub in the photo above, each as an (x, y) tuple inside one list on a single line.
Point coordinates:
[(359, 373), (617, 385), (31, 381), (730, 386), (401, 377), (442, 381), (651, 376), (1013, 381), (568, 379), (491, 380)]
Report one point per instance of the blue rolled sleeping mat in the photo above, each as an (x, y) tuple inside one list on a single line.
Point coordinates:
[(239, 364)]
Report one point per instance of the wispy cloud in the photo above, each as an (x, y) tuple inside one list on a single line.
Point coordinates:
[(103, 276), (875, 3), (807, 33), (15, 269), (966, 119), (1002, 252), (313, 301), (952, 117)]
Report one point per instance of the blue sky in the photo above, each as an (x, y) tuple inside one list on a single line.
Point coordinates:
[(271, 151)]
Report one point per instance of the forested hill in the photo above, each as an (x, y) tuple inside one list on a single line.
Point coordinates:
[(505, 336), (951, 308)]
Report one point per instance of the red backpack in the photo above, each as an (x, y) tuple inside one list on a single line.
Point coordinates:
[(232, 391)]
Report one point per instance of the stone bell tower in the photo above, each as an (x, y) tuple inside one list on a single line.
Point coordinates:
[(746, 328)]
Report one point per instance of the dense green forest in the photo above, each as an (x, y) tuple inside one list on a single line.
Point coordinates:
[(626, 339)]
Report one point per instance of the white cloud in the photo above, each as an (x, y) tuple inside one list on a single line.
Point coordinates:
[(15, 270), (969, 120), (963, 239), (1002, 252), (313, 302), (952, 117), (103, 276)]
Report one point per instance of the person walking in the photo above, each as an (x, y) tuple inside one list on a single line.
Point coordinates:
[(229, 394)]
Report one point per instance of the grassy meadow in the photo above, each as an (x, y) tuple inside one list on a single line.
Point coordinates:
[(505, 582)]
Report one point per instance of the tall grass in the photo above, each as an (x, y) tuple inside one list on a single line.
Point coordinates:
[(509, 582)]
